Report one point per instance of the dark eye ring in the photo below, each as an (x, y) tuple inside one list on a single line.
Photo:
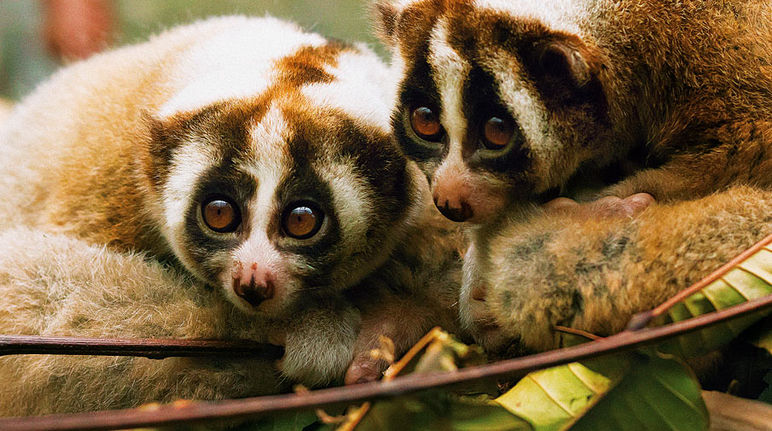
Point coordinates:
[(220, 214), (425, 123), (302, 220)]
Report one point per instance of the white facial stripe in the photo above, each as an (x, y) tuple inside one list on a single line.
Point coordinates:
[(216, 69), (259, 249), (364, 88), (450, 71), (269, 165), (527, 109), (350, 196), (189, 162), (556, 15)]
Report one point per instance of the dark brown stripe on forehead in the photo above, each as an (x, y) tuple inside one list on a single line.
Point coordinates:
[(307, 65), (414, 25)]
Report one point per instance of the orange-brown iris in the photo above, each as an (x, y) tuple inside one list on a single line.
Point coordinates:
[(426, 123), (220, 215), (497, 132), (302, 222)]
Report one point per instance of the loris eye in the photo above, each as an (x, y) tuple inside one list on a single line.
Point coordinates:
[(221, 215), (302, 220), (497, 132), (426, 123)]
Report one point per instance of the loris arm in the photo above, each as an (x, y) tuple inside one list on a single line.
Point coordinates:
[(594, 274), (734, 153)]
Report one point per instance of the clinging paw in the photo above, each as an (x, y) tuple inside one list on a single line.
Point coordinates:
[(609, 206)]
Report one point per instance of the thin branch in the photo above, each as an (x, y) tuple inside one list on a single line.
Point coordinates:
[(250, 408), (148, 347), (578, 332)]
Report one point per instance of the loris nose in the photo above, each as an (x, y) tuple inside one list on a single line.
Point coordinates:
[(457, 211), (253, 283)]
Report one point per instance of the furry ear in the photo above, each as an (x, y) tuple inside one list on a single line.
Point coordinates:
[(163, 137), (562, 59), (386, 14)]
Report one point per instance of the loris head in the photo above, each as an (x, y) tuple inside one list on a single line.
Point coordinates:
[(295, 191), (500, 101)]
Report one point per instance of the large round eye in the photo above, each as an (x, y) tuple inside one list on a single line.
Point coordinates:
[(426, 123), (302, 221), (221, 215), (497, 132)]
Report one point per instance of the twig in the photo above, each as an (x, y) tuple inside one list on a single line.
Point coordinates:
[(148, 347), (249, 408)]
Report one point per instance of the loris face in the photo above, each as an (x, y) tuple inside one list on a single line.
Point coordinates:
[(499, 102), (292, 194)]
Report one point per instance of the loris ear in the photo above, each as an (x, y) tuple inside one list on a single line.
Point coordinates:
[(163, 137), (562, 58), (385, 14)]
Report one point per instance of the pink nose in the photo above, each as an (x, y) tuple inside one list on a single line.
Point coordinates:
[(451, 196), (253, 283)]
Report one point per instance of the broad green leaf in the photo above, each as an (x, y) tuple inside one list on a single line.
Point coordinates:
[(553, 398), (748, 280), (656, 394)]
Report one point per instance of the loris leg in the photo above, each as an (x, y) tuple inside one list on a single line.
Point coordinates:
[(594, 274)]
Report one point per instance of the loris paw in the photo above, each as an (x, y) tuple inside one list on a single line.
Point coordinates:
[(319, 348), (481, 323), (365, 368), (609, 206)]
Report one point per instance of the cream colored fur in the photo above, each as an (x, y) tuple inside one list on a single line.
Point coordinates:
[(59, 286)]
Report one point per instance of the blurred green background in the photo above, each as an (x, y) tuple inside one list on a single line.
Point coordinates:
[(24, 60)]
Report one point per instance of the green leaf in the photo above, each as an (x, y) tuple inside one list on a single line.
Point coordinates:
[(656, 394), (748, 280), (553, 398)]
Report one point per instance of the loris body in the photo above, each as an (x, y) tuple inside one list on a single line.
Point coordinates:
[(503, 101), (247, 153)]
